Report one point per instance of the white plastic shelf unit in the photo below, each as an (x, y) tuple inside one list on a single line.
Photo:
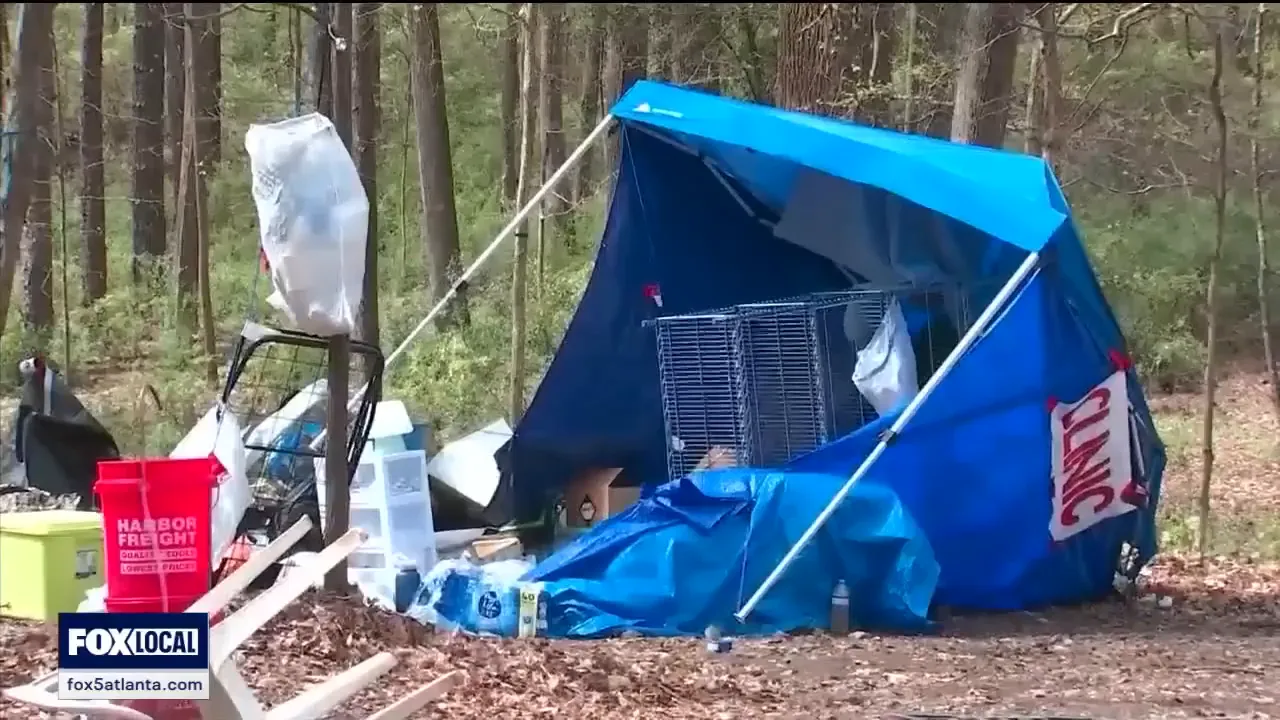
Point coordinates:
[(390, 500)]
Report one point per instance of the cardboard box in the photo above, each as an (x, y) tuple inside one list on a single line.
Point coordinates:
[(592, 497)]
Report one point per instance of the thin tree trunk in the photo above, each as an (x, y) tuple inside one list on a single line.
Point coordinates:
[(696, 29), (435, 165), (93, 212), (214, 140), (520, 269), (551, 122), (341, 64), (205, 51), (627, 59), (37, 236), (1211, 331), (367, 70), (148, 137), (589, 106), (186, 226), (909, 73), (175, 73), (511, 103), (35, 29), (1264, 271)]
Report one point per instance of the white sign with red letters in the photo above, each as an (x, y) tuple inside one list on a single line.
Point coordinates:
[(1091, 459)]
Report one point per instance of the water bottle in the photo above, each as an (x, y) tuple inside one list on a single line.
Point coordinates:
[(840, 609)]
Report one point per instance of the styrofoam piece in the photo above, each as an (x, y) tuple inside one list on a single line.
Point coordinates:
[(468, 466)]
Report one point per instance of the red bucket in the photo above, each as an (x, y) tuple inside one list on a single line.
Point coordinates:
[(166, 502)]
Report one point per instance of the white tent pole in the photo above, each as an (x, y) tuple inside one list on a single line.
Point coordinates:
[(976, 331), (592, 138)]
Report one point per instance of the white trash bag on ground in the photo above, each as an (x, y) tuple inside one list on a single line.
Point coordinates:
[(313, 216), (885, 373)]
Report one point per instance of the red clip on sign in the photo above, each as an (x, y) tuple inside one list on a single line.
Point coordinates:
[(654, 293)]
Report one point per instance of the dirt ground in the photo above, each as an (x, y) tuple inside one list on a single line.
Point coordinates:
[(1211, 650)]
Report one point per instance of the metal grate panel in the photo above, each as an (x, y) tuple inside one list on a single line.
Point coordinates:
[(770, 381)]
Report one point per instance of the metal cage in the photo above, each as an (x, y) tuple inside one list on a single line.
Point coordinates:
[(768, 382)]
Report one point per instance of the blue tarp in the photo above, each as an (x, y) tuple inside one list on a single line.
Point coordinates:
[(683, 558), (697, 176)]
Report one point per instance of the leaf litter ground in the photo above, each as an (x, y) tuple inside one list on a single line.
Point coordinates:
[(1214, 653)]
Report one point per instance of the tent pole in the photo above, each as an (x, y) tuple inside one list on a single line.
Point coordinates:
[(592, 138), (976, 331)]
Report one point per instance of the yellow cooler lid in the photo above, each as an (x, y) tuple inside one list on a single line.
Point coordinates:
[(49, 522)]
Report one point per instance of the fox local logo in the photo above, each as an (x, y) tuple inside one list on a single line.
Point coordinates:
[(122, 642)]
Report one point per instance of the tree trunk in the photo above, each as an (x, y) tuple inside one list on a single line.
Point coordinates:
[(4, 54), (661, 40), (1044, 93), (551, 42), (1259, 214), (985, 79), (319, 86), (627, 58), (35, 32), (696, 30), (186, 225), (205, 52), (1211, 309), (520, 270), (112, 19), (876, 63), (175, 94), (214, 111), (937, 29), (511, 103), (367, 72), (753, 57), (589, 105), (435, 164), (811, 40), (37, 235), (148, 136), (93, 212), (341, 64)]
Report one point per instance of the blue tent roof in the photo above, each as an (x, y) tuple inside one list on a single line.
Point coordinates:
[(698, 173), (972, 184)]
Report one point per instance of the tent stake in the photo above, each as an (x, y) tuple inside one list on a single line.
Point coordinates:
[(592, 138), (975, 331)]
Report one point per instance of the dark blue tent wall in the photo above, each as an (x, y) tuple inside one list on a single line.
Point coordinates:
[(674, 224)]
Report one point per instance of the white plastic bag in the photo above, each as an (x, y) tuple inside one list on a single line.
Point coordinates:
[(885, 373), (313, 216), (233, 495)]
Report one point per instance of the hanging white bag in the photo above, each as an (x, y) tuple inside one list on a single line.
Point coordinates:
[(313, 216), (885, 372)]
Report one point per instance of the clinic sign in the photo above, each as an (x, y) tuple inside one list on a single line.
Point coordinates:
[(133, 656), (1092, 470)]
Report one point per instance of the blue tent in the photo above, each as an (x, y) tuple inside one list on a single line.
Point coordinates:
[(696, 175)]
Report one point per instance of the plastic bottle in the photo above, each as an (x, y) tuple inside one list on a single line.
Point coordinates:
[(840, 609)]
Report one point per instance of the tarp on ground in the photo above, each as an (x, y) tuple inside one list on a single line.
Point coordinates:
[(682, 559)]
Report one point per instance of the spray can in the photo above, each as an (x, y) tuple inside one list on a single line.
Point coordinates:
[(840, 609)]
